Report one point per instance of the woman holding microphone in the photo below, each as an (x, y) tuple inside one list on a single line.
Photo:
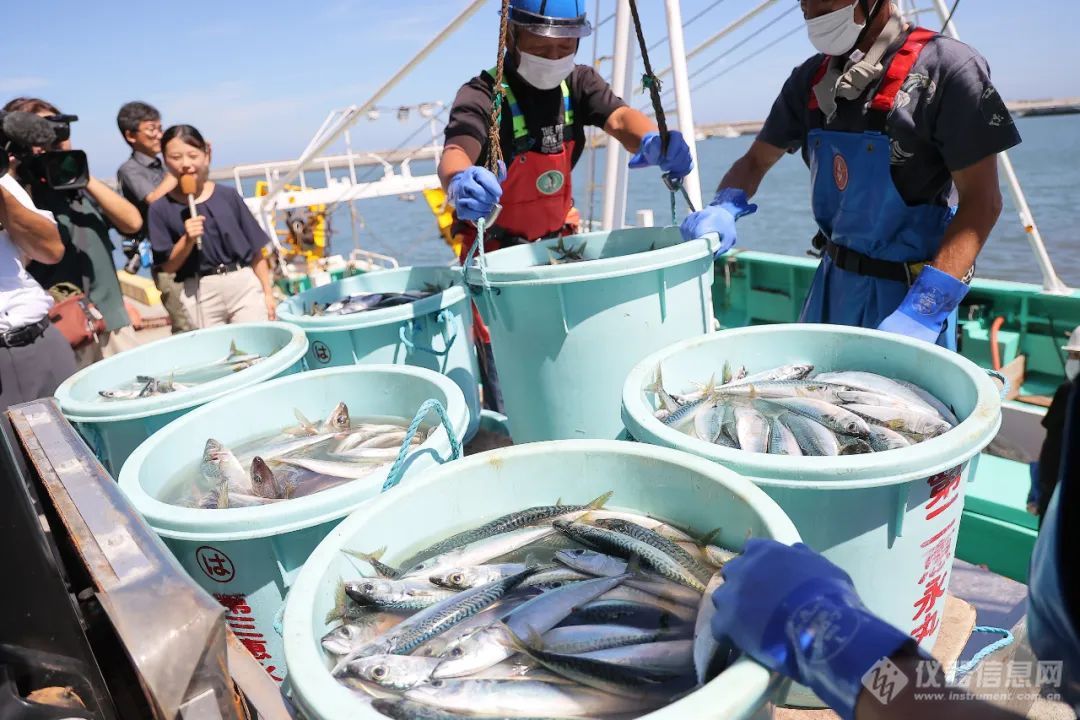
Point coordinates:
[(205, 234)]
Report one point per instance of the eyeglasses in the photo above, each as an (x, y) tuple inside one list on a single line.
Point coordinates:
[(151, 131)]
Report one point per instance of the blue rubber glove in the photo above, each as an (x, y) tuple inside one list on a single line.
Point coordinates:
[(798, 614), (677, 162), (146, 257), (473, 192), (927, 306), (719, 217)]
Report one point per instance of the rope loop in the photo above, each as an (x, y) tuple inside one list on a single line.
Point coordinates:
[(394, 476)]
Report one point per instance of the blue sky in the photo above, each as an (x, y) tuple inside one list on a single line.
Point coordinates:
[(258, 78)]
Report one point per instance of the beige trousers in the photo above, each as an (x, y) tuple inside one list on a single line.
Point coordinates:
[(107, 345), (235, 297)]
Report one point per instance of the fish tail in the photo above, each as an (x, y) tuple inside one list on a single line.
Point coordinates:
[(600, 501), (340, 599), (657, 384), (725, 377), (707, 538)]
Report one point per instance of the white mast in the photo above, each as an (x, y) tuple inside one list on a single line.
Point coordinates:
[(692, 182), (615, 169)]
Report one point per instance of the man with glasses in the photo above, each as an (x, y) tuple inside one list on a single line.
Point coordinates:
[(900, 127), (143, 180)]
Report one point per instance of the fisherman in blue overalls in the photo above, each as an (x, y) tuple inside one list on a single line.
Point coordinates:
[(796, 613), (900, 128)]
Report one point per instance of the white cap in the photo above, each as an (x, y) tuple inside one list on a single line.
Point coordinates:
[(1074, 342)]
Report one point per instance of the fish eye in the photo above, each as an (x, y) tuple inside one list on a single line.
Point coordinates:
[(368, 587), (379, 671), (456, 652), (457, 578), (437, 683)]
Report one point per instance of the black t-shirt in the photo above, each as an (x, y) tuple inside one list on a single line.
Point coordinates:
[(946, 117), (591, 99)]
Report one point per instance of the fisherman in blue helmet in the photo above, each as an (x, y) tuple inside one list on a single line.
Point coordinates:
[(547, 102), (901, 128)]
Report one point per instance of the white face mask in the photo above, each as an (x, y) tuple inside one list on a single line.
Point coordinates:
[(542, 73), (835, 33), (1072, 368)]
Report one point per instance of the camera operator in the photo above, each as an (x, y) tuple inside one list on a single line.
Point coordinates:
[(84, 217), (34, 356)]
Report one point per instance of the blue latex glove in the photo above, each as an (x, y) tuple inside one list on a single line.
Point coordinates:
[(146, 257), (798, 614), (677, 162), (927, 306), (719, 217), (473, 192)]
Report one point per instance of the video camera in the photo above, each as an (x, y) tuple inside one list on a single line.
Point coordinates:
[(21, 132)]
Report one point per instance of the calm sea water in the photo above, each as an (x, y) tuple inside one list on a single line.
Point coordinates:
[(1047, 162)]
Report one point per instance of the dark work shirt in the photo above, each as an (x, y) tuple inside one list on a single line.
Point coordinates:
[(946, 117), (1050, 455), (231, 234), (138, 177), (591, 99), (87, 262)]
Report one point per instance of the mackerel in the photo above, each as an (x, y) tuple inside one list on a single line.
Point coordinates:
[(813, 437), (626, 546), (507, 523), (575, 639), (781, 440), (659, 542), (428, 623), (833, 417)]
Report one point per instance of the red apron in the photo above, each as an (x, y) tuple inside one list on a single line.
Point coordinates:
[(537, 195)]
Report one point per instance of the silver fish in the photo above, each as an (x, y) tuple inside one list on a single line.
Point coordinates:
[(625, 545), (354, 470), (480, 551), (780, 374), (266, 484), (400, 709), (781, 440), (658, 541), (705, 645), (463, 578), (574, 639), (220, 467), (813, 437), (902, 420), (628, 594), (752, 429), (872, 382), (835, 418), (594, 563), (510, 522), (397, 672), (609, 677), (432, 621), (519, 698), (882, 438), (662, 657), (708, 422), (942, 410), (487, 646), (396, 594)]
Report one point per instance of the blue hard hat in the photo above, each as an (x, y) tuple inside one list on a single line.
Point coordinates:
[(551, 18)]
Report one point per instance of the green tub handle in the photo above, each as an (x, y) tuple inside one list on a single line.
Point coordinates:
[(394, 476), (445, 318)]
